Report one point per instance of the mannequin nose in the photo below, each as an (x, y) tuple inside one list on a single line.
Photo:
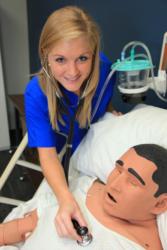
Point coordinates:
[(117, 183)]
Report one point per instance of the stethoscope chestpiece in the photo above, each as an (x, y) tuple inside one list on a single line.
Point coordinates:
[(83, 232), (86, 240)]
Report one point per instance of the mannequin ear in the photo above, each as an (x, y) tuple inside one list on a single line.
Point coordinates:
[(161, 205)]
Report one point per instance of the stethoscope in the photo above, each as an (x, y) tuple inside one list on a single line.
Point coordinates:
[(82, 231), (70, 136), (67, 154), (63, 106)]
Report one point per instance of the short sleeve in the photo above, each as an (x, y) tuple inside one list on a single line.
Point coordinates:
[(40, 132)]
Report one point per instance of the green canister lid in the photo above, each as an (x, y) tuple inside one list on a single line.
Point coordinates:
[(132, 65)]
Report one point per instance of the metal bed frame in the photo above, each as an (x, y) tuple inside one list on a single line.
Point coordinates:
[(15, 160)]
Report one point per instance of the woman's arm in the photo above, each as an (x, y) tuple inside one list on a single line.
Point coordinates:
[(68, 207), (53, 171)]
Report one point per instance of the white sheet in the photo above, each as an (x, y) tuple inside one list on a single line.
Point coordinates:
[(45, 236)]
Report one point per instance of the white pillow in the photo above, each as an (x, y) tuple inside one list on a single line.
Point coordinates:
[(109, 138)]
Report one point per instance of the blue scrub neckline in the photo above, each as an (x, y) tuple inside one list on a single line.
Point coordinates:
[(73, 98)]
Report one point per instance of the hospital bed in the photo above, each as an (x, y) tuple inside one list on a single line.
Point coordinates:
[(17, 159), (105, 142)]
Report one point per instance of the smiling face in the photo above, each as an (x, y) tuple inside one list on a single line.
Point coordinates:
[(70, 62), (129, 192)]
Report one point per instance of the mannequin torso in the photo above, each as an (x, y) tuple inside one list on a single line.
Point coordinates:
[(145, 234)]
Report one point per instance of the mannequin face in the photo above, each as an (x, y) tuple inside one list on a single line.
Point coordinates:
[(129, 192), (71, 62)]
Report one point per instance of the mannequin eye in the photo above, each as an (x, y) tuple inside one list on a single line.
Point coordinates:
[(133, 182)]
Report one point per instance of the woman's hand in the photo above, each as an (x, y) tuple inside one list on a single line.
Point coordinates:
[(69, 210)]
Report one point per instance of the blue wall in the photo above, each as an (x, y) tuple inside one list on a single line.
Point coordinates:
[(120, 22)]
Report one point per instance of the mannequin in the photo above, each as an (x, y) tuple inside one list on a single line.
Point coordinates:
[(135, 193)]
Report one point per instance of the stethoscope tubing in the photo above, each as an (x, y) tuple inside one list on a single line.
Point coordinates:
[(67, 155)]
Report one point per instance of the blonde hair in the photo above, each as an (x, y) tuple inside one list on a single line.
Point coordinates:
[(68, 23)]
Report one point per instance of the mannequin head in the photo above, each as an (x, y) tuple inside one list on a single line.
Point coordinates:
[(137, 187)]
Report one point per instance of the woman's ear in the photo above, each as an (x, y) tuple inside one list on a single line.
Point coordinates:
[(161, 205)]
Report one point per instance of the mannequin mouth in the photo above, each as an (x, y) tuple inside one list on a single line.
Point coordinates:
[(111, 197)]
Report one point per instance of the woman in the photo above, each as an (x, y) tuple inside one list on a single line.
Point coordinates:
[(67, 88)]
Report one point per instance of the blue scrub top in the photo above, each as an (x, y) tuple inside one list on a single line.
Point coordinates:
[(40, 132)]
